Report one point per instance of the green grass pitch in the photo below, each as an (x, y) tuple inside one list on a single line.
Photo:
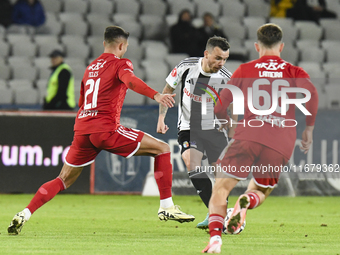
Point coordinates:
[(111, 224)]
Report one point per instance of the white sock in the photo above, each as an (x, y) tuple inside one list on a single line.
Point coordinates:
[(215, 238), (166, 203), (27, 214)]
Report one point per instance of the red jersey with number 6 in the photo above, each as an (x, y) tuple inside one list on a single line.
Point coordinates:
[(268, 84), (103, 94)]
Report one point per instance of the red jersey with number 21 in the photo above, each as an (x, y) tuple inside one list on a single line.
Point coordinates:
[(103, 93), (262, 76)]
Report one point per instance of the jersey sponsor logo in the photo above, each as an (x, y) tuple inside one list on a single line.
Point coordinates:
[(272, 65), (174, 72), (196, 98), (129, 64), (97, 66)]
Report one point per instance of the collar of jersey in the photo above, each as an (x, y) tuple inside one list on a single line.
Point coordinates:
[(200, 68)]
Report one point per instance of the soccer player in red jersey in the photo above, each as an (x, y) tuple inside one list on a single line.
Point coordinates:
[(97, 127), (271, 142)]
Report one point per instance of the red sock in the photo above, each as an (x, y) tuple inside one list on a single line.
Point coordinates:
[(45, 193), (163, 174), (215, 224), (254, 200)]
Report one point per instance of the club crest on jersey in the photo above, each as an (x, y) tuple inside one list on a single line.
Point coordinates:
[(174, 72), (129, 64)]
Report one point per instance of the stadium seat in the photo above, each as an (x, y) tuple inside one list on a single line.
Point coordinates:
[(210, 6), (171, 20), (290, 33), (310, 53), (75, 27), (150, 67), (96, 44), (6, 93), (290, 54), (78, 71), (304, 44), (26, 96), (5, 49), (52, 25), (333, 53), (77, 87), (5, 71), (52, 6), (154, 49), (232, 65), (233, 29), (75, 46), (176, 6), (94, 17), (75, 61), (232, 8), (330, 43), (134, 50), (310, 66), (138, 71), (252, 53), (333, 78), (154, 7), (41, 86), (282, 21), (97, 28), (133, 98), (79, 6), (252, 24), (318, 78), (332, 29), (197, 22), (71, 16), (309, 30), (16, 29), (127, 6), (101, 6), (334, 6), (13, 38), (22, 48), (18, 60), (123, 17), (257, 8), (332, 94), (44, 72), (45, 49), (331, 67), (23, 71), (154, 27), (45, 39), (174, 59)]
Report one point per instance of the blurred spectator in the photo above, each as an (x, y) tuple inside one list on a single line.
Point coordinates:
[(209, 29), (184, 36), (60, 87), (28, 12), (5, 13), (311, 10), (278, 8)]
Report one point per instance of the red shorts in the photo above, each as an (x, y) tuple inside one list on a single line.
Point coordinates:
[(84, 149), (244, 157)]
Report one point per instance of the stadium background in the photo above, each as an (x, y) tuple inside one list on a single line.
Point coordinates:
[(76, 27)]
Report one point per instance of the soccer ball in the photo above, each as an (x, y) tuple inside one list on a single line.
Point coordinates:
[(229, 212)]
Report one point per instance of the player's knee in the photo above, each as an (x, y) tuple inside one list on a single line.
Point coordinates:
[(164, 147)]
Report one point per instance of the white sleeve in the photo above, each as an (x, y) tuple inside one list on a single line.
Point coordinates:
[(174, 78)]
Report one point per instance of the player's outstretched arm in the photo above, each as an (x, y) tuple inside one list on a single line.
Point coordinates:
[(161, 126), (307, 138)]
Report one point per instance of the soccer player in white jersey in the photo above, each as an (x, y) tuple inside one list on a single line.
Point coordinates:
[(197, 134)]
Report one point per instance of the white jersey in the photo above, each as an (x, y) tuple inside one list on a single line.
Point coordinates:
[(192, 81)]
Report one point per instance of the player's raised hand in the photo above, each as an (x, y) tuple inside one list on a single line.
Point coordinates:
[(307, 138), (165, 99)]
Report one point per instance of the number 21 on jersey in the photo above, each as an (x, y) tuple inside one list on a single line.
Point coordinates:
[(91, 93)]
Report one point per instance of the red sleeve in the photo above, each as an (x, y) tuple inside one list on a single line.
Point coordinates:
[(137, 85), (303, 81)]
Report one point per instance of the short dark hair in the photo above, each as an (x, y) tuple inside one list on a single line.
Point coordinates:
[(113, 33), (218, 41), (269, 34)]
